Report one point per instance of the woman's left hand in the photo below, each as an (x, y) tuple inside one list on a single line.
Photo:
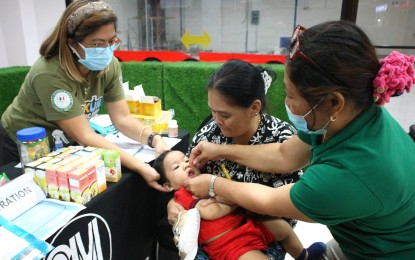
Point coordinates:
[(199, 186), (151, 176)]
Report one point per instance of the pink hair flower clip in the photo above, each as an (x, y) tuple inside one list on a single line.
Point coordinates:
[(395, 76)]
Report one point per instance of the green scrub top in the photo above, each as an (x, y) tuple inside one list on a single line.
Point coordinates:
[(361, 184)]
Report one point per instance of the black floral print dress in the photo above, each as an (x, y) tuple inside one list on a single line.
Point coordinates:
[(270, 130)]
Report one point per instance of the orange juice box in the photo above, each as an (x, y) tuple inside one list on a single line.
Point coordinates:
[(112, 162), (92, 178), (40, 176), (67, 151), (70, 158), (101, 152), (101, 175), (82, 153), (79, 186), (89, 149), (63, 182), (85, 156), (95, 158), (55, 160), (45, 159), (73, 149), (90, 157), (31, 166), (63, 155), (61, 150), (54, 153), (74, 163), (52, 180)]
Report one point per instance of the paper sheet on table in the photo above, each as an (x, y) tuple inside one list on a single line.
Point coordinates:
[(147, 154), (142, 152), (127, 144), (19, 244), (25, 205)]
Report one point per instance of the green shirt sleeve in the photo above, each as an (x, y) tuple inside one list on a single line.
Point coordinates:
[(58, 97), (113, 90)]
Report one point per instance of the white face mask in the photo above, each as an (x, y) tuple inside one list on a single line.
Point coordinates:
[(301, 124), (95, 58)]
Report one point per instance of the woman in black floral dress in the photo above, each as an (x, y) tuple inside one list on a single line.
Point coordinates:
[(237, 99)]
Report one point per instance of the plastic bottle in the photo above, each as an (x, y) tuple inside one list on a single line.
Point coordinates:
[(173, 128), (58, 136), (32, 144)]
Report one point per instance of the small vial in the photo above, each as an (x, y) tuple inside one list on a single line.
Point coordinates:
[(173, 128)]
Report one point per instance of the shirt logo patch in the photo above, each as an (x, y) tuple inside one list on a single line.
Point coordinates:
[(62, 100)]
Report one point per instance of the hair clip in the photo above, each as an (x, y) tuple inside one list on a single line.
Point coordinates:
[(267, 80)]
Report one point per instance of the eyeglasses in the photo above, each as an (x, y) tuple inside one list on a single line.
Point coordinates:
[(295, 52), (102, 45)]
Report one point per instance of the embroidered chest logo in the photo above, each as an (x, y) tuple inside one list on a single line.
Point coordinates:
[(62, 100)]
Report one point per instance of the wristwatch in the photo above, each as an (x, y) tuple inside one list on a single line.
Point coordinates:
[(212, 186), (150, 139)]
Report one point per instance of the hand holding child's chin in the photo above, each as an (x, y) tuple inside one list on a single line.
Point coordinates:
[(199, 185)]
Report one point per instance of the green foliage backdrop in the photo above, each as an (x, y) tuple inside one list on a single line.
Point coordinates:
[(10, 81), (180, 85)]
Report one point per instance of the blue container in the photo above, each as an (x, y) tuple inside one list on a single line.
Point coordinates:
[(33, 144)]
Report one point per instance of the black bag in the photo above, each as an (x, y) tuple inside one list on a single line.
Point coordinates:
[(412, 132)]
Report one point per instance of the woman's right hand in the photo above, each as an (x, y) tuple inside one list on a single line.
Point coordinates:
[(173, 210), (204, 152)]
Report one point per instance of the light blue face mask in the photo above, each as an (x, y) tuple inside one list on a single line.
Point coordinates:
[(96, 58), (301, 124)]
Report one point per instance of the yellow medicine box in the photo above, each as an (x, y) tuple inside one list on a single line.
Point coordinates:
[(150, 109), (149, 106), (158, 124)]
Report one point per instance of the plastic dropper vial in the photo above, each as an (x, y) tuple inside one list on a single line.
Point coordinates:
[(173, 128)]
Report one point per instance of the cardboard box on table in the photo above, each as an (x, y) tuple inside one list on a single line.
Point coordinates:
[(158, 124), (147, 109)]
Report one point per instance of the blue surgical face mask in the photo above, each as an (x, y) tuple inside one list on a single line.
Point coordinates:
[(95, 58), (301, 124)]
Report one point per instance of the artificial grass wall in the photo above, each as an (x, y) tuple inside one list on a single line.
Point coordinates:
[(180, 85), (184, 85), (11, 80), (148, 74), (276, 93)]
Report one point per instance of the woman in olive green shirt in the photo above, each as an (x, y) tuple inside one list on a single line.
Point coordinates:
[(67, 85)]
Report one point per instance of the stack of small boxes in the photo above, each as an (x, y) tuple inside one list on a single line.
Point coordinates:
[(76, 174), (147, 109)]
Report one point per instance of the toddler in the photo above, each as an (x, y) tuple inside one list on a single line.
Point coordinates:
[(226, 233)]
